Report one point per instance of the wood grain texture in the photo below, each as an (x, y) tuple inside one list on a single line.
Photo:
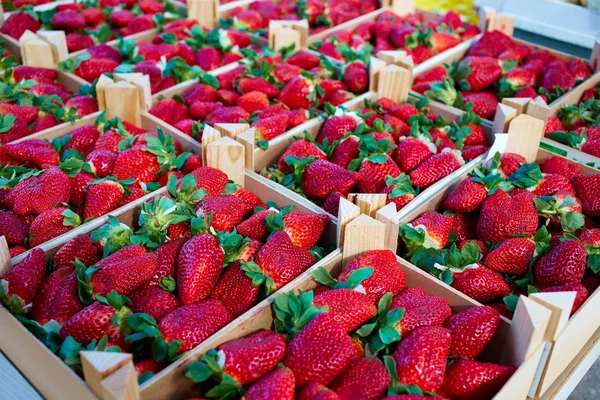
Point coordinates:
[(121, 384), (19, 388), (98, 365), (228, 156), (362, 234), (347, 211)]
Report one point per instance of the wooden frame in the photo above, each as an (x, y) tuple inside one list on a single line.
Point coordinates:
[(565, 337), (28, 354)]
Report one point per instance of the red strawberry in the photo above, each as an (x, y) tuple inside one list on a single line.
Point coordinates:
[(514, 80), (227, 211), (277, 384), (194, 323), (250, 200), (480, 283), (466, 197), (228, 115), (14, 230), (92, 69), (255, 227), (210, 179), (477, 73), (304, 60), (435, 168), (399, 191), (419, 309), (251, 84), (167, 255), (26, 113), (93, 16), (503, 217), (79, 248), (253, 101), (421, 357), (78, 41), (432, 228), (299, 93), (580, 290), (19, 285), (335, 127), (102, 196), (300, 148), (587, 190), (52, 223), (270, 128), (565, 263), (556, 75), (356, 77), (512, 256), (153, 301), (491, 44), (57, 298), (19, 22), (484, 103), (83, 104), (40, 193), (364, 378), (349, 307), (412, 151), (101, 162), (14, 128), (235, 289), (305, 229), (473, 380), (472, 330), (321, 178), (68, 20)]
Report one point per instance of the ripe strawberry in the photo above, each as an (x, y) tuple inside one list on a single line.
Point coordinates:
[(484, 103), (374, 170), (363, 377), (477, 73), (253, 101), (319, 352), (321, 178), (554, 124), (91, 69), (235, 290), (199, 265), (421, 357), (153, 301), (349, 307), (101, 162), (587, 190), (14, 230), (269, 128), (304, 60), (19, 22), (84, 105), (26, 113), (228, 115), (430, 230), (226, 211), (304, 228), (419, 310), (399, 191), (68, 20), (19, 285), (167, 255), (255, 227), (512, 256), (40, 193), (210, 179), (491, 44), (52, 223), (101, 318), (252, 84), (14, 128), (298, 149), (580, 290), (101, 197), (57, 298), (336, 126), (299, 93), (250, 200), (556, 75), (140, 165), (277, 384), (503, 217), (480, 283), (470, 380), (356, 77), (244, 360), (435, 168), (79, 248), (93, 16), (466, 197), (194, 323), (514, 80), (387, 276), (413, 151), (565, 263), (472, 330)]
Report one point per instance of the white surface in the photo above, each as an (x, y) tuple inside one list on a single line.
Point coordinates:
[(554, 19), (15, 387), (583, 367)]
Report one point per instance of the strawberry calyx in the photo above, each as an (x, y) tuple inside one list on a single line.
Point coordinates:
[(560, 207), (11, 175), (444, 92), (402, 186), (7, 121), (298, 165), (71, 218), (168, 283), (258, 277), (181, 71), (185, 191), (383, 330), (576, 114), (490, 178), (142, 328), (571, 139), (112, 236), (232, 245), (211, 367), (528, 176), (163, 147), (155, 218), (14, 303), (293, 311), (375, 152), (73, 163), (354, 281), (70, 65)]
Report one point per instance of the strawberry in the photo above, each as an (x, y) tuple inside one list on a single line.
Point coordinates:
[(345, 151), (316, 391), (373, 172), (57, 298), (225, 211), (68, 20), (252, 84), (250, 200), (430, 230), (200, 262), (228, 115), (356, 77), (102, 196), (40, 193), (13, 128), (78, 41), (269, 128), (124, 272), (332, 202), (362, 377), (137, 164), (435, 168), (81, 139), (491, 44), (565, 263), (102, 317), (84, 105), (484, 103), (298, 149), (580, 290), (14, 230), (253, 101), (511, 256), (19, 22), (167, 255), (304, 229), (470, 380), (557, 76), (319, 352), (413, 151), (561, 166), (477, 73), (514, 80), (472, 330), (277, 384), (153, 301), (587, 190), (399, 190), (299, 93), (419, 310), (244, 360), (421, 357), (304, 60), (91, 69), (321, 178), (26, 113), (349, 307), (19, 285), (235, 289), (93, 16), (278, 262), (79, 248), (336, 126), (192, 324), (101, 162), (210, 179), (52, 223), (480, 283), (503, 217)]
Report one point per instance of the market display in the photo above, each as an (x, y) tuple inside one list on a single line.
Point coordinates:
[(274, 199)]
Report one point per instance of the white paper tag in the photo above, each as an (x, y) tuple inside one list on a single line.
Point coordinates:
[(499, 146)]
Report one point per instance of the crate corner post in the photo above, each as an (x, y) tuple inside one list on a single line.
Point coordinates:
[(403, 8), (121, 384), (98, 365), (362, 234), (394, 82), (205, 12), (228, 155), (387, 215), (524, 135), (5, 263), (504, 114), (231, 130), (347, 211), (247, 139)]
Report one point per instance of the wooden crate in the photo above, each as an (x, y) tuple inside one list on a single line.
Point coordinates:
[(566, 337), (187, 144), (42, 368), (517, 342)]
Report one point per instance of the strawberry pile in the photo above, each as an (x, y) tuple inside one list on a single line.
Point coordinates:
[(92, 21), (513, 228), (167, 60), (384, 147), (321, 14), (420, 38), (203, 253), (50, 187), (33, 100), (497, 67), (274, 93), (11, 5), (318, 346), (578, 126)]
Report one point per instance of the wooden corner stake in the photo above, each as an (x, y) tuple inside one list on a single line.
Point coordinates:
[(347, 211), (209, 134), (486, 18), (123, 101), (36, 52), (375, 67), (524, 135), (403, 8), (231, 130), (362, 234), (387, 216), (394, 82), (538, 108), (101, 84), (58, 42), (5, 264), (560, 305), (98, 365), (121, 384), (505, 24), (504, 114), (205, 12), (368, 203), (247, 139), (142, 82), (518, 103), (397, 57), (229, 156), (527, 331), (278, 40)]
